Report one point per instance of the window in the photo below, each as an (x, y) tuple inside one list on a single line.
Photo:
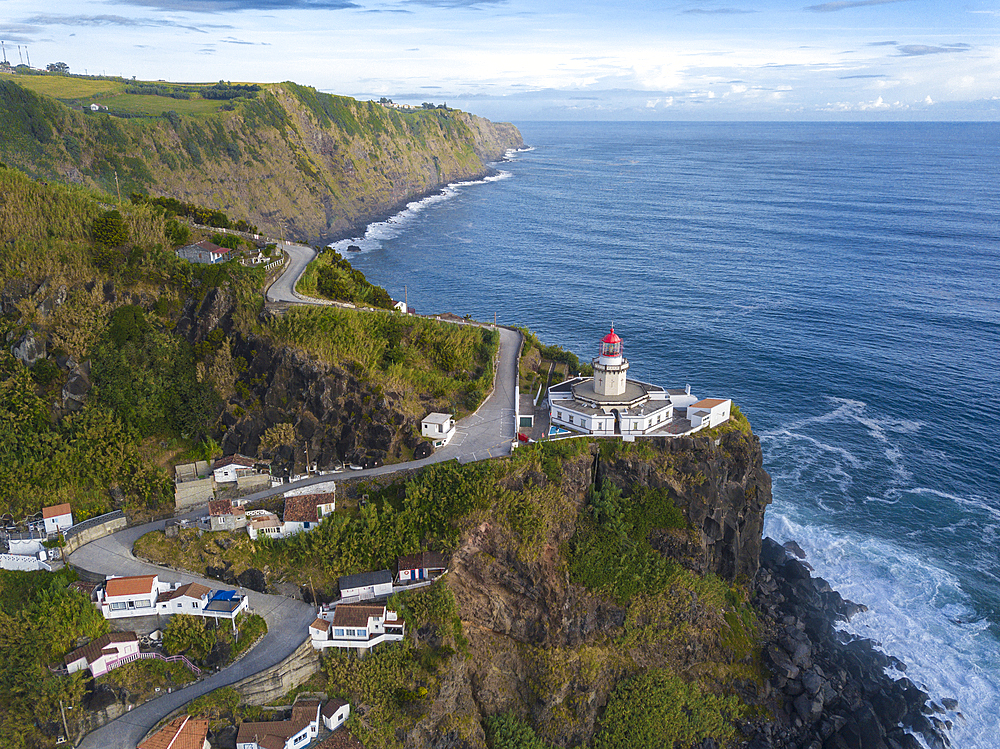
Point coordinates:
[(350, 633), (300, 739), (307, 525), (571, 418), (558, 414), (194, 605), (118, 606), (338, 632), (362, 633), (180, 605)]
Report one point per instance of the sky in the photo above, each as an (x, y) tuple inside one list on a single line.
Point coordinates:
[(844, 60)]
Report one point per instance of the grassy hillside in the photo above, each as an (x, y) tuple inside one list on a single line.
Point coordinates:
[(287, 158)]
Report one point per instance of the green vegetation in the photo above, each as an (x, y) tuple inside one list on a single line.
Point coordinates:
[(655, 709), (537, 359), (399, 353), (332, 277), (198, 638), (41, 620), (507, 731)]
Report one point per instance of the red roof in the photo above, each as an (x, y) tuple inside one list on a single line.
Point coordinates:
[(56, 510), (611, 337), (180, 733), (240, 460), (206, 245), (302, 508), (129, 586)]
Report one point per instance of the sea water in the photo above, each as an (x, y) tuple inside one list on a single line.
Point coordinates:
[(839, 281)]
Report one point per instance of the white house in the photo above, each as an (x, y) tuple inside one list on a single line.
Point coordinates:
[(103, 654), (24, 562), (231, 467), (298, 731), (190, 598), (204, 252), (423, 566), (129, 596), (335, 713), (263, 522), (356, 626), (57, 519), (438, 427), (709, 412), (305, 511), (226, 604), (302, 513), (180, 733), (366, 585)]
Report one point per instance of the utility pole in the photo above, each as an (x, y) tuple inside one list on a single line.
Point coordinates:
[(28, 56), (65, 727), (19, 54), (4, 52)]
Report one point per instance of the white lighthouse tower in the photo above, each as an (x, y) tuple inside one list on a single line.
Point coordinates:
[(610, 367)]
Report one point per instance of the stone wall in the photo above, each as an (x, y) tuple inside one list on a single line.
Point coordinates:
[(190, 494), (84, 533), (267, 686)]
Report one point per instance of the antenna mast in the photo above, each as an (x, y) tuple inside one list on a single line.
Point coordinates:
[(19, 54), (4, 52), (27, 55)]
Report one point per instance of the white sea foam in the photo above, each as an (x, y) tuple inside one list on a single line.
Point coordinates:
[(916, 612), (380, 231)]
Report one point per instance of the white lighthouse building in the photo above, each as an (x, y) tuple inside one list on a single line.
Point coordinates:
[(611, 404)]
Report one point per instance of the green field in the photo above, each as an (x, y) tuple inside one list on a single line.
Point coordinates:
[(156, 105), (83, 91)]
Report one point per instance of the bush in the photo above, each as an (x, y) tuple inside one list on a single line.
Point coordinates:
[(656, 709), (109, 230)]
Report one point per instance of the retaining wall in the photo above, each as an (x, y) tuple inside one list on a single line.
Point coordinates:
[(275, 682), (90, 530)]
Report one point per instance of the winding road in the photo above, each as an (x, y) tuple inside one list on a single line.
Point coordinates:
[(487, 433)]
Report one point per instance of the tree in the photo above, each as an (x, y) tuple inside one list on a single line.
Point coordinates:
[(109, 230), (188, 634), (57, 67)]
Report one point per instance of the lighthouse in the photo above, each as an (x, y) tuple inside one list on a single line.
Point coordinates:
[(610, 367)]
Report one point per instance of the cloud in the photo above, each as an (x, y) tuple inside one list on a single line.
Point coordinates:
[(845, 4), (54, 19), (918, 50), (871, 75), (223, 6), (717, 11), (456, 3), (18, 32), (881, 44), (233, 40)]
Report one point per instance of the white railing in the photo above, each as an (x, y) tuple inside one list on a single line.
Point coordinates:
[(141, 656)]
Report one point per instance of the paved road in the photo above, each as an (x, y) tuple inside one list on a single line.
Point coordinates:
[(287, 622), (488, 433)]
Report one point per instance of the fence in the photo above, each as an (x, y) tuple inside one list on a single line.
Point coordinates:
[(80, 527), (169, 659)]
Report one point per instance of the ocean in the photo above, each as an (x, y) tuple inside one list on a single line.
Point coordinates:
[(841, 282)]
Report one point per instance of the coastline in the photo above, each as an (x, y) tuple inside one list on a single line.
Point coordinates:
[(359, 229)]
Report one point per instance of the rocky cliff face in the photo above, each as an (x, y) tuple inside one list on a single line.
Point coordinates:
[(293, 161), (722, 488), (545, 647), (333, 413)]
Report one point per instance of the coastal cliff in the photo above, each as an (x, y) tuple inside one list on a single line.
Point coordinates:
[(294, 161), (689, 629)]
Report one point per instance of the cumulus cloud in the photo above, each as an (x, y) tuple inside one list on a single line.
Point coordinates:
[(18, 32), (882, 44), (845, 4), (223, 6)]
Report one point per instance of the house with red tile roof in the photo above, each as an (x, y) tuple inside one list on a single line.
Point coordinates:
[(709, 412), (190, 598), (129, 596), (57, 518), (180, 733), (302, 513), (231, 467), (224, 516)]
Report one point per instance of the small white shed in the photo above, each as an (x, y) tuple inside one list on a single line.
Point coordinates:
[(438, 427)]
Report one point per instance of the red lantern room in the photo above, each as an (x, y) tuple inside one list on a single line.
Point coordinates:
[(611, 344)]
